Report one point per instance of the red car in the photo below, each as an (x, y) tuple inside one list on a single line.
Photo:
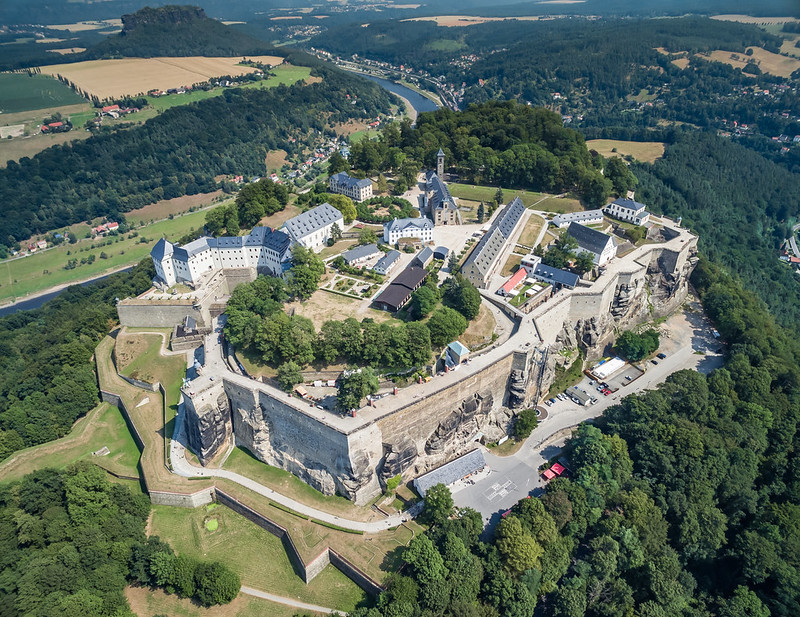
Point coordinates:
[(606, 392)]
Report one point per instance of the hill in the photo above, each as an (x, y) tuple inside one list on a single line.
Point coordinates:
[(176, 31)]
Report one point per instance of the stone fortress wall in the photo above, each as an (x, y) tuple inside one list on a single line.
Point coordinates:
[(354, 457)]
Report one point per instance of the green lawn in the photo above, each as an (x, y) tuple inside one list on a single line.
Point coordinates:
[(103, 426), (19, 92), (256, 555), (364, 134), (284, 74), (567, 377), (40, 271), (244, 463), (486, 193)]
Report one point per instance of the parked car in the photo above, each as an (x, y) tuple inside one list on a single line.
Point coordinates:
[(599, 388), (552, 400), (653, 361), (548, 403), (606, 392), (591, 382), (662, 355)]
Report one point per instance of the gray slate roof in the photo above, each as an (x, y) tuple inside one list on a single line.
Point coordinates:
[(345, 179), (556, 275), (588, 239), (440, 153), (424, 256), (441, 197), (493, 240), (162, 249), (360, 252), (577, 217), (401, 224), (629, 204), (387, 260), (192, 248), (313, 220), (450, 472), (441, 252)]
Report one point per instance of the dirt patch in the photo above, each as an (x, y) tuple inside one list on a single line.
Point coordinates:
[(130, 76), (128, 348), (279, 218), (681, 63), (313, 79), (350, 127), (274, 160), (65, 51), (162, 209), (511, 265), (480, 330)]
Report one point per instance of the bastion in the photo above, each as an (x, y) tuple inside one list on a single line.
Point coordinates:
[(427, 424)]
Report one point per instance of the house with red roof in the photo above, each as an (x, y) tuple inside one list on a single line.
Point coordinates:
[(512, 283)]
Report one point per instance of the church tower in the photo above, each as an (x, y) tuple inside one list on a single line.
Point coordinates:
[(440, 163)]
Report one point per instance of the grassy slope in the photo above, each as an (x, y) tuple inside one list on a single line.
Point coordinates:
[(103, 426), (255, 554)]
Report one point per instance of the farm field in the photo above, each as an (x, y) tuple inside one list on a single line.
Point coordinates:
[(152, 603), (83, 26), (15, 149), (645, 151), (102, 426), (44, 270), (131, 76), (255, 554), (19, 92), (460, 21), (774, 64), (166, 207)]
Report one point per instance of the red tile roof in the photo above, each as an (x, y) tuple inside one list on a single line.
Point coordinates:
[(514, 280), (557, 469)]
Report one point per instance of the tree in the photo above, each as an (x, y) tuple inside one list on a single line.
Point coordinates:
[(498, 196), (337, 163), (636, 346), (445, 326), (463, 296), (526, 422), (519, 550), (367, 236), (584, 262), (381, 186), (353, 387), (423, 301), (620, 175), (438, 505), (305, 273), (481, 212), (232, 220), (336, 234), (425, 561), (452, 264), (289, 374), (344, 205), (215, 220), (216, 584)]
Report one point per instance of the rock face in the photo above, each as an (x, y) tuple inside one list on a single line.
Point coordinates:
[(208, 423)]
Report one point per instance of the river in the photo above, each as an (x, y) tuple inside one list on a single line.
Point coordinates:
[(34, 303), (417, 101)]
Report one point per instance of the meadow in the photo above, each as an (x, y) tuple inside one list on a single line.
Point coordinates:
[(253, 553), (20, 92), (645, 151), (108, 79), (46, 269)]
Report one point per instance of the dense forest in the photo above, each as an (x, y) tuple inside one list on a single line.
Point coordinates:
[(740, 205), (176, 31), (682, 501), (47, 376), (176, 153), (501, 143), (71, 541)]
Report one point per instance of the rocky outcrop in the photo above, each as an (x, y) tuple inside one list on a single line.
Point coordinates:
[(209, 427), (460, 424)]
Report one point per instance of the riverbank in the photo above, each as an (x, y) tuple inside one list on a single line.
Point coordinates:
[(38, 298), (414, 99)]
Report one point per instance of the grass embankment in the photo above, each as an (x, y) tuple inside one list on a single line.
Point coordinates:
[(567, 377), (103, 426), (148, 418), (375, 554), (139, 356), (480, 330), (243, 462), (151, 603), (254, 554), (46, 269)]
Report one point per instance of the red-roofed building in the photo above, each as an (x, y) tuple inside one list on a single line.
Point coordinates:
[(548, 474), (112, 226), (557, 469), (511, 283), (108, 108)]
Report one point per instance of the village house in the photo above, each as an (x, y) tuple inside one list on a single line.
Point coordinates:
[(361, 254), (387, 263), (420, 228), (628, 210), (588, 217), (600, 246)]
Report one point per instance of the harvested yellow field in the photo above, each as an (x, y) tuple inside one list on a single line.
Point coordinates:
[(681, 63), (774, 64), (67, 50), (46, 40), (458, 21), (285, 17), (131, 76), (645, 151), (761, 21), (82, 26)]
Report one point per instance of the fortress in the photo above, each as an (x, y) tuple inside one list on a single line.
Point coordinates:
[(425, 425)]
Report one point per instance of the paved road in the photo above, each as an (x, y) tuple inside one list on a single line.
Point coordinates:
[(793, 241), (289, 601), (214, 368), (513, 477)]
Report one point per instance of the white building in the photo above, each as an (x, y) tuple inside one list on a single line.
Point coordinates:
[(312, 229), (262, 248), (355, 188), (588, 217), (420, 228), (628, 210), (600, 246)]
